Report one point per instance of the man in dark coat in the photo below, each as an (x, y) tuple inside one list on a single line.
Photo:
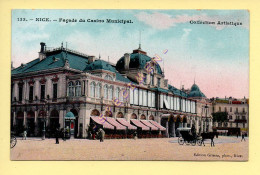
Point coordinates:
[(57, 133), (101, 134)]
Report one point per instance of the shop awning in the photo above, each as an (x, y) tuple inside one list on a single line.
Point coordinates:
[(102, 122), (115, 123), (147, 123), (157, 125), (126, 123), (70, 116), (139, 124)]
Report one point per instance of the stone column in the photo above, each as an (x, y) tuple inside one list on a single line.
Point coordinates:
[(15, 91), (86, 122), (167, 129), (37, 89), (62, 114), (35, 121), (49, 88), (173, 129), (14, 118), (24, 118)]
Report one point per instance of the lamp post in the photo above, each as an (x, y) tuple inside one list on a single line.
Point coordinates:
[(207, 124), (44, 120)]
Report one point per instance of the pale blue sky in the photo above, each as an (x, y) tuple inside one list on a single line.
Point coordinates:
[(216, 55)]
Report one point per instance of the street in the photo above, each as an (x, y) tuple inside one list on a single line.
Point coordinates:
[(226, 148)]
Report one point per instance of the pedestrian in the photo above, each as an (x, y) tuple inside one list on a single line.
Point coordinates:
[(57, 135), (135, 135), (243, 137), (24, 133), (102, 135), (237, 134)]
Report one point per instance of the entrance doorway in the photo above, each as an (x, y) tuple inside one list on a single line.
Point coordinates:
[(75, 125)]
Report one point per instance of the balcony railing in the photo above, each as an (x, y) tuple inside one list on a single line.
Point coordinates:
[(240, 121)]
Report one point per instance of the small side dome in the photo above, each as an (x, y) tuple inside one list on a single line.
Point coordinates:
[(195, 91)]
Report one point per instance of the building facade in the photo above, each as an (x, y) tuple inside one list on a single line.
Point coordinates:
[(64, 88), (237, 112)]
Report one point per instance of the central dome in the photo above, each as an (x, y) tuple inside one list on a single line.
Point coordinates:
[(137, 61)]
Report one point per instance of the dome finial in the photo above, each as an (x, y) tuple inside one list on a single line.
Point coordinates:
[(140, 36), (99, 56)]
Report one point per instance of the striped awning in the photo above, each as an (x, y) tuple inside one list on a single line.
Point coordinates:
[(139, 124), (102, 121), (157, 125), (112, 121), (147, 123), (126, 123)]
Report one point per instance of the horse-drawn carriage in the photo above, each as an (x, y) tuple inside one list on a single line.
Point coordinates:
[(185, 136)]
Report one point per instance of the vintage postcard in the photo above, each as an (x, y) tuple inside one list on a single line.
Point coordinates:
[(130, 85)]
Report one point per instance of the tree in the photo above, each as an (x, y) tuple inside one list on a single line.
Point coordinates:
[(220, 116)]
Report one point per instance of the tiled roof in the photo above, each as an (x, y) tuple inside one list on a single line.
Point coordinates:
[(176, 91), (57, 60), (52, 61)]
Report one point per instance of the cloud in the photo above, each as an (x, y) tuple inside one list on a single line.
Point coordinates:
[(164, 21)]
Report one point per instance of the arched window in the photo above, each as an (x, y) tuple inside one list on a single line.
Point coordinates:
[(105, 92), (78, 88), (98, 90), (92, 89), (108, 77), (110, 93), (71, 89), (117, 92)]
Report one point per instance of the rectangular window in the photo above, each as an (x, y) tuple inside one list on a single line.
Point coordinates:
[(145, 78), (145, 98), (171, 102), (149, 98), (236, 109), (152, 79), (131, 96), (230, 117), (225, 109), (31, 93), (219, 109), (153, 99), (161, 101), (140, 97), (243, 109), (55, 91), (42, 91), (230, 109), (158, 82), (20, 93), (136, 96)]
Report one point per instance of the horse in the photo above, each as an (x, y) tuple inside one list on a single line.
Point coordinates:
[(208, 135)]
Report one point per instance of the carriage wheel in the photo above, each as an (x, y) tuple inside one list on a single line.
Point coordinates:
[(13, 141), (187, 142), (199, 142), (193, 142), (180, 140)]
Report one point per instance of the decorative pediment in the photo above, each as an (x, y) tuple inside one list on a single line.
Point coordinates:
[(31, 82), (43, 80), (55, 78), (21, 83)]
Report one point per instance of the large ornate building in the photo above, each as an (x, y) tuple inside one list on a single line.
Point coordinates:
[(65, 88)]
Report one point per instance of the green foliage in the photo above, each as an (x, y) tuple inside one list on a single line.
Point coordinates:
[(220, 116)]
